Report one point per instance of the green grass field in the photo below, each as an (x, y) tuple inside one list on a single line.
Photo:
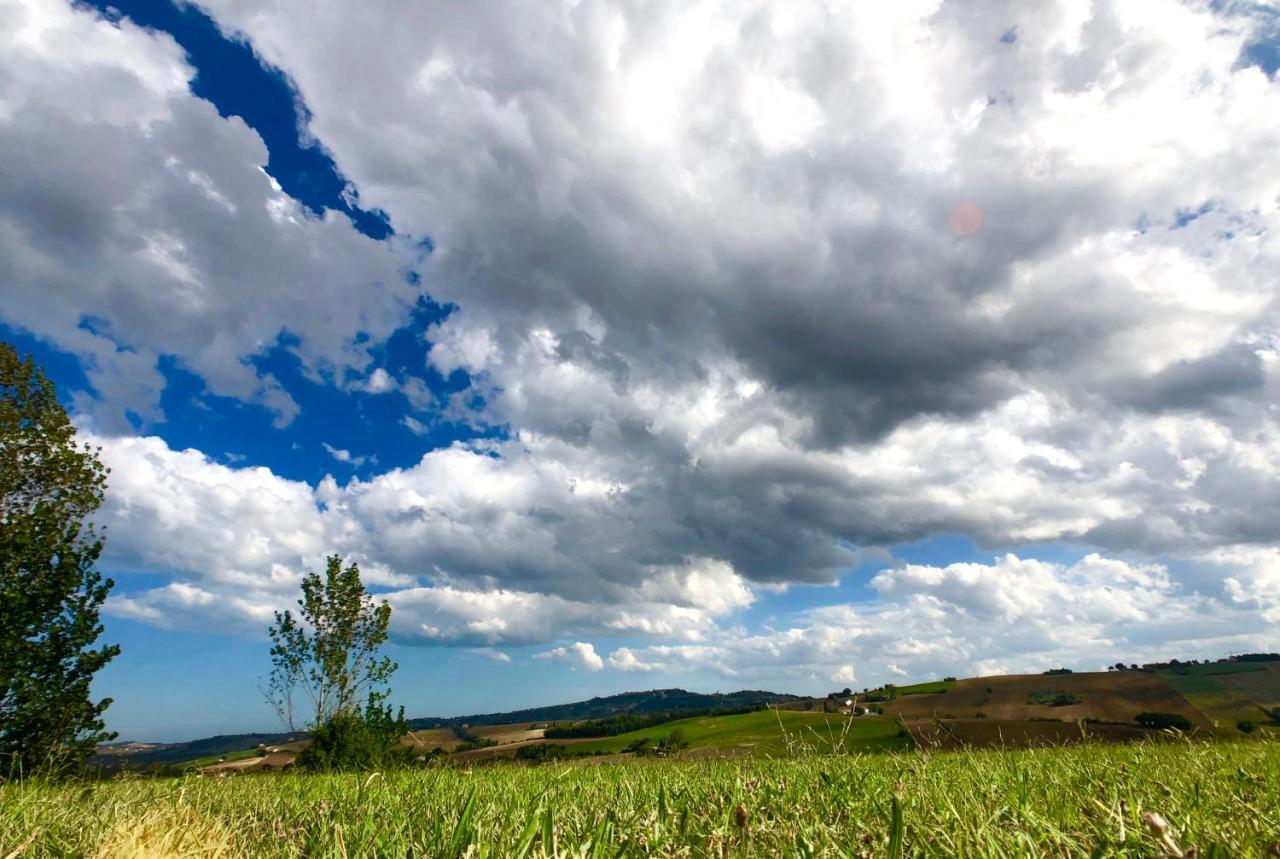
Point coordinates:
[(1228, 692), (1220, 798), (930, 688), (766, 732)]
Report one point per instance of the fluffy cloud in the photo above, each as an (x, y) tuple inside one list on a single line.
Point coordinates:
[(1012, 615), (135, 223), (625, 659), (580, 654), (238, 539)]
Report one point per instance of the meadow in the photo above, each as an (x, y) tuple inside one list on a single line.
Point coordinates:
[(1222, 799)]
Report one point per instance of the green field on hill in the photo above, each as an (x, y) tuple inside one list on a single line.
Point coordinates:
[(766, 732), (1219, 798), (929, 688), (1228, 692)]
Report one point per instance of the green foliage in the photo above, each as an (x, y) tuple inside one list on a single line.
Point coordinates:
[(661, 746), (331, 649), (349, 740), (675, 740), (538, 753), (331, 652), (50, 593), (1054, 698), (1088, 800), (1275, 715), (1246, 727), (1162, 721)]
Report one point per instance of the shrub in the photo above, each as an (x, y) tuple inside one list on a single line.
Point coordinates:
[(1246, 727), (1054, 698), (674, 741), (1275, 715), (640, 746), (470, 741), (1161, 721), (354, 741), (541, 752)]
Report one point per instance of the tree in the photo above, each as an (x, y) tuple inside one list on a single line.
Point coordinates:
[(331, 650), (50, 593)]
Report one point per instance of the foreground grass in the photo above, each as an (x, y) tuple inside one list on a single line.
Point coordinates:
[(1221, 799)]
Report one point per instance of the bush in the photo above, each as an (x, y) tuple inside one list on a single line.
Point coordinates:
[(542, 752), (1246, 727), (355, 741), (674, 741), (1054, 699), (640, 746), (1275, 715), (470, 741), (1161, 721)]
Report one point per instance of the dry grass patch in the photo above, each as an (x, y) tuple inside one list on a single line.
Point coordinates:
[(176, 832)]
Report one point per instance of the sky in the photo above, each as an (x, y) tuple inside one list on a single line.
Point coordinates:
[(713, 344)]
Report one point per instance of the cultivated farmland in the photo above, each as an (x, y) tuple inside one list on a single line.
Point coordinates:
[(1228, 692), (1113, 696)]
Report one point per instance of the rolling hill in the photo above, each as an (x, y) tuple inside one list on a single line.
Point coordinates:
[(637, 703), (1018, 710)]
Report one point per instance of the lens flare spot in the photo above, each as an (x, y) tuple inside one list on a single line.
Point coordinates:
[(966, 219)]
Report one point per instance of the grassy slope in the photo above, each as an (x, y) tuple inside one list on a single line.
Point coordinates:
[(929, 688), (762, 732), (213, 759), (1229, 692), (1220, 798)]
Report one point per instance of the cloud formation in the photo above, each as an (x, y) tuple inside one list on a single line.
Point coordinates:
[(758, 292), (1010, 616), (136, 223), (580, 654)]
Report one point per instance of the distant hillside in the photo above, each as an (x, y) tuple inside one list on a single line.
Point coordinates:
[(638, 703), (137, 756)]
